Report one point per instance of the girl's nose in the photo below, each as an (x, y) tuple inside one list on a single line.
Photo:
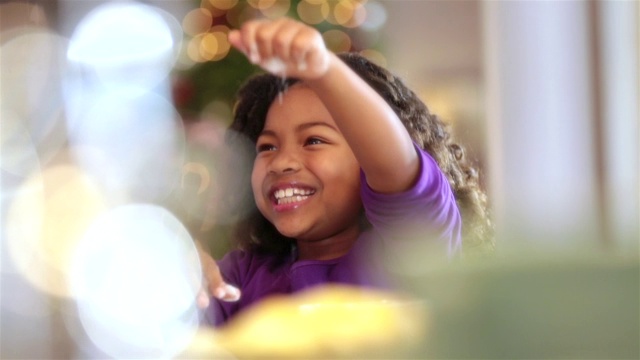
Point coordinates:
[(284, 161)]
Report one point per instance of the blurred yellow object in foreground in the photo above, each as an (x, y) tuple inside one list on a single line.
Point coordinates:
[(328, 321)]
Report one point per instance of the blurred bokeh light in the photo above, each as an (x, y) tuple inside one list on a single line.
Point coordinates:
[(126, 43), (88, 130), (33, 65), (133, 143), (49, 213), (135, 275)]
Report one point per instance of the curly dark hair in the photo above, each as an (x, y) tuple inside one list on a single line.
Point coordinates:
[(256, 233)]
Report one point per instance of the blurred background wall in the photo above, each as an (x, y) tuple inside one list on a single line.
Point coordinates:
[(544, 94)]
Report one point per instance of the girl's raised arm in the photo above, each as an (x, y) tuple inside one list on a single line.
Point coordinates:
[(376, 136)]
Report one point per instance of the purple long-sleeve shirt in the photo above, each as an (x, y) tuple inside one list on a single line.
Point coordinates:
[(426, 212)]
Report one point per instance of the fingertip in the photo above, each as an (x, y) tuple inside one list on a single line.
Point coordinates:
[(219, 292), (202, 301), (227, 292), (254, 54), (233, 36), (236, 41), (232, 293)]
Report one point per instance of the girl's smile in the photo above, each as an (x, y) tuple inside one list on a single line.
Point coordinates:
[(290, 196), (306, 179)]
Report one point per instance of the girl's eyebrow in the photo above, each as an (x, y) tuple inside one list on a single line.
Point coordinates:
[(307, 125), (301, 127)]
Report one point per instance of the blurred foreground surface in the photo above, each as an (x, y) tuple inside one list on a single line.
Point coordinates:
[(543, 307), (578, 307)]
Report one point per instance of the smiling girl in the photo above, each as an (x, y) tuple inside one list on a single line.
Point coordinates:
[(347, 159)]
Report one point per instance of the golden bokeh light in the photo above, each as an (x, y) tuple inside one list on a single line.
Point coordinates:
[(237, 15), (262, 4), (349, 13), (46, 220), (215, 11), (313, 11), (343, 12), (331, 18), (337, 40), (221, 33), (375, 56), (208, 46), (441, 101), (197, 21), (223, 4), (276, 9), (193, 48)]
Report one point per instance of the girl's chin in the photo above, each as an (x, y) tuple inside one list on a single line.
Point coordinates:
[(290, 233), (293, 231)]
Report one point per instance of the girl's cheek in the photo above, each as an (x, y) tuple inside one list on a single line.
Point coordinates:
[(258, 175)]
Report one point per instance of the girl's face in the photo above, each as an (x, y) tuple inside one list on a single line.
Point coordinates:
[(306, 180)]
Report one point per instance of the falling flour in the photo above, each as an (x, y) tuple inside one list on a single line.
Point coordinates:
[(276, 66)]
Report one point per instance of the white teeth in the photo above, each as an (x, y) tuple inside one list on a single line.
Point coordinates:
[(289, 195)]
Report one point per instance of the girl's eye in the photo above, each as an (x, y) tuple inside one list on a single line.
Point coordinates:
[(314, 141), (264, 147)]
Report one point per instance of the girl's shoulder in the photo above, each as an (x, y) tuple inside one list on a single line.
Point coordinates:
[(431, 184), (428, 210)]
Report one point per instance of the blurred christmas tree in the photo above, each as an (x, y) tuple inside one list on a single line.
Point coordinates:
[(210, 72)]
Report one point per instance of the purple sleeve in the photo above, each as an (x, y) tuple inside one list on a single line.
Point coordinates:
[(254, 275), (428, 211)]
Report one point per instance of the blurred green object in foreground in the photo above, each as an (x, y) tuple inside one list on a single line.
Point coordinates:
[(568, 307)]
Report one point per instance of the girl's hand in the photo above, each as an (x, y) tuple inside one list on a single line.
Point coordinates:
[(283, 47), (213, 282)]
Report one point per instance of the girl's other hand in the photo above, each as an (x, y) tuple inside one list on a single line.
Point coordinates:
[(213, 284), (283, 47)]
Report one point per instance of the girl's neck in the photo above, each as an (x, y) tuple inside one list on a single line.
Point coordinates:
[(329, 248)]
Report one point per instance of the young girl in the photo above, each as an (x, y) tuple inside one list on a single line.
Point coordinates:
[(346, 157)]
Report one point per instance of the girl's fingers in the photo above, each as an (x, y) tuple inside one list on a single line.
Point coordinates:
[(202, 300), (304, 44), (235, 40), (317, 61), (227, 292), (216, 284), (248, 40), (282, 46), (265, 37), (213, 283)]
